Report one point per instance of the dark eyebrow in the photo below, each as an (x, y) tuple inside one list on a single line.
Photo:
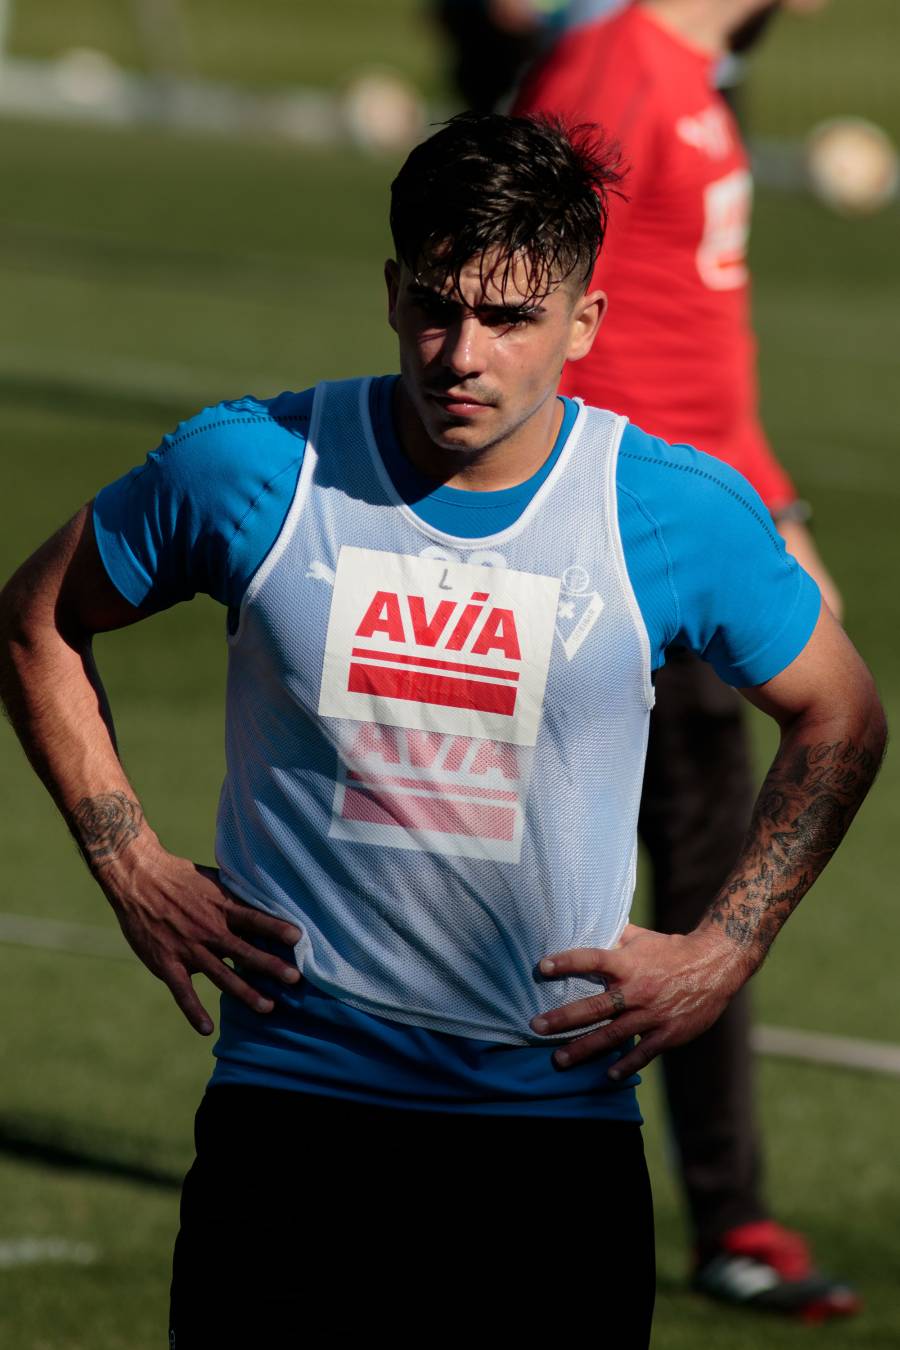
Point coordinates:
[(418, 291), (512, 311)]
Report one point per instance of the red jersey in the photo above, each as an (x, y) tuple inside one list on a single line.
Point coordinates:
[(676, 351)]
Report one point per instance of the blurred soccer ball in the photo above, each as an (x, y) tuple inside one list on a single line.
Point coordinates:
[(852, 165), (383, 112), (89, 77)]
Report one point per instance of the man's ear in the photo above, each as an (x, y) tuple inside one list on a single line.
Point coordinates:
[(392, 281), (586, 320)]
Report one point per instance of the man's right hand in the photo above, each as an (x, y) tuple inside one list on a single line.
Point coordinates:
[(181, 921)]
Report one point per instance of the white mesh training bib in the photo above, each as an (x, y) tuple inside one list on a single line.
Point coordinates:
[(435, 745)]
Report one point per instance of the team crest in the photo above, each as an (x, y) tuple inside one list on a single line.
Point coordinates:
[(578, 609)]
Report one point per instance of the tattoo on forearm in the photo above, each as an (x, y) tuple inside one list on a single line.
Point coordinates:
[(807, 802), (105, 825)]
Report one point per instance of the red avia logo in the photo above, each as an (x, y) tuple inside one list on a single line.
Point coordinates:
[(394, 625), (436, 646)]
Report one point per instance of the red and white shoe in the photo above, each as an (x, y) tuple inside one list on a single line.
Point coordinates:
[(763, 1265)]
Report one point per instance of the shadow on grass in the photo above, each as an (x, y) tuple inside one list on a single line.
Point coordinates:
[(82, 397), (41, 1143), (143, 262)]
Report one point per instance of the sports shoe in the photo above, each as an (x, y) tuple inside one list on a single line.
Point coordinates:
[(762, 1265)]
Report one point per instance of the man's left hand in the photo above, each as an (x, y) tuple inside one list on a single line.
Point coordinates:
[(664, 988)]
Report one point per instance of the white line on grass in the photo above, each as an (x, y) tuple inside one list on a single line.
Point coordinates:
[(815, 1047), (33, 1251), (135, 377), (97, 91), (90, 88), (844, 1052), (76, 939)]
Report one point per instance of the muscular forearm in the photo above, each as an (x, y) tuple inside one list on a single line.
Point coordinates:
[(56, 703), (667, 988), (813, 790), (175, 913)]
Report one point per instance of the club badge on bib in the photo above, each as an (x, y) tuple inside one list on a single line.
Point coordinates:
[(438, 646)]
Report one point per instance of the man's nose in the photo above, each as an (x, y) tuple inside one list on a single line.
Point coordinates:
[(464, 346)]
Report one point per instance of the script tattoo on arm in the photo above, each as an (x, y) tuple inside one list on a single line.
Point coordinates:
[(105, 825), (803, 811)]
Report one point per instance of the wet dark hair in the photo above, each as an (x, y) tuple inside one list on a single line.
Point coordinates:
[(527, 187)]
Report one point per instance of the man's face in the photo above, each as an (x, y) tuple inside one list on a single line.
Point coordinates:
[(478, 362)]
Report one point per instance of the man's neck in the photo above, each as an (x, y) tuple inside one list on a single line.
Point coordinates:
[(503, 465), (704, 24)]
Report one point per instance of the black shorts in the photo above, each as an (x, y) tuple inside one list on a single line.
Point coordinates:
[(303, 1214)]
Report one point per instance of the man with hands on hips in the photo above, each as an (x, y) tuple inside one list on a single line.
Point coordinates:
[(447, 593)]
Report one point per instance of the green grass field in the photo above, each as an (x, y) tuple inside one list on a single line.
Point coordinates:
[(142, 275)]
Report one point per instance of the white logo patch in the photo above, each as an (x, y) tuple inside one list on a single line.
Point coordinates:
[(319, 571), (577, 611), (438, 646), (721, 257), (708, 131), (399, 788)]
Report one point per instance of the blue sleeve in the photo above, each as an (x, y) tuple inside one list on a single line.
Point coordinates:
[(708, 566), (203, 510)]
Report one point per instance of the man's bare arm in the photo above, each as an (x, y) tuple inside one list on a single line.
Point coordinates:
[(800, 543), (809, 797), (668, 988), (49, 611), (175, 914)]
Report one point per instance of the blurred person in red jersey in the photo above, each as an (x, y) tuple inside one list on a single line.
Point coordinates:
[(678, 356)]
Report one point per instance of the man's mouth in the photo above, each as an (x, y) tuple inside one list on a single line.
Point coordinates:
[(458, 403)]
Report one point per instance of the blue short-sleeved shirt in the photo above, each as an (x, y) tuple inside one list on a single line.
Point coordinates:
[(709, 571)]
